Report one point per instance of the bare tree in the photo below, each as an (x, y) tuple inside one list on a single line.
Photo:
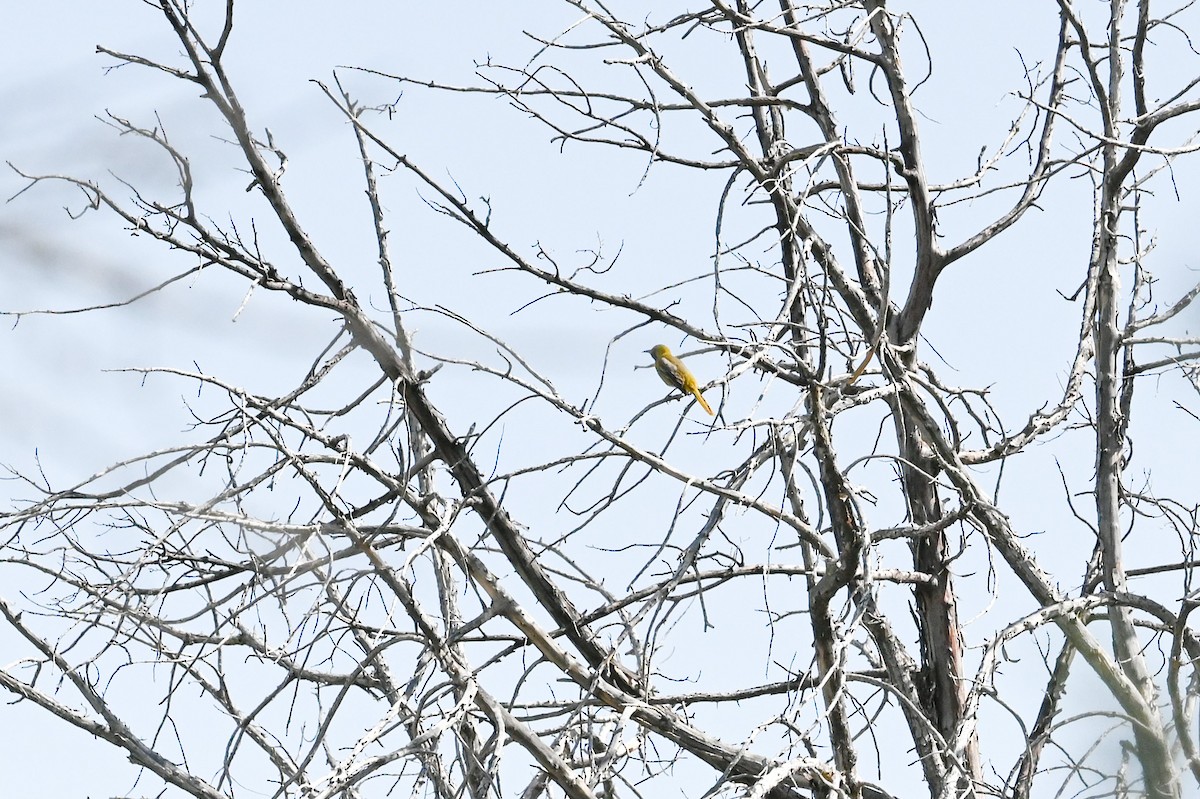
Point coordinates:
[(431, 612)]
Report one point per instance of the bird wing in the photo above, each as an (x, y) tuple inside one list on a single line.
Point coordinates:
[(670, 374)]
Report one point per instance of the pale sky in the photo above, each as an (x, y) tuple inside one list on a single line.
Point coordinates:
[(66, 408)]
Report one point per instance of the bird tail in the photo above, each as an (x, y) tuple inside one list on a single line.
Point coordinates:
[(703, 404)]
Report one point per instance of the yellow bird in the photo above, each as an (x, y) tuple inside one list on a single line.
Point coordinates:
[(676, 375)]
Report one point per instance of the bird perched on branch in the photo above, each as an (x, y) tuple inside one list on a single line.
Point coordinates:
[(675, 374)]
